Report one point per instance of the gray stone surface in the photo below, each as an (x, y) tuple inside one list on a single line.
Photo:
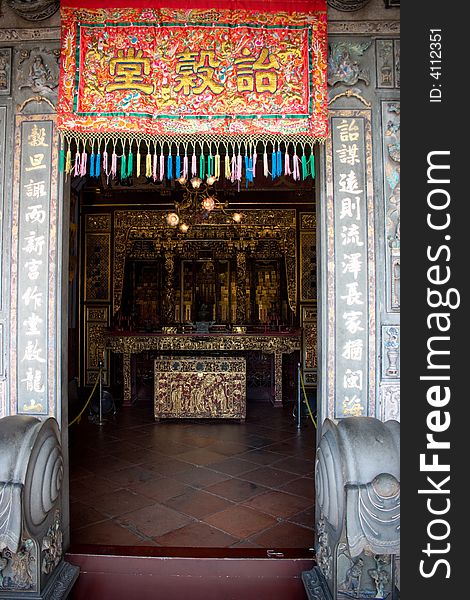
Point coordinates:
[(31, 540), (357, 481)]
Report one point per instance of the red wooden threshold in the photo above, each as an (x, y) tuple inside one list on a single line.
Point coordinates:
[(152, 573)]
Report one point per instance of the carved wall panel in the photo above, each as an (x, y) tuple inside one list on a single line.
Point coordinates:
[(101, 222), (396, 46), (97, 266), (3, 124), (387, 54), (34, 10), (96, 323), (390, 401), (260, 230), (348, 5), (2, 398), (309, 342), (346, 63), (30, 34), (390, 352), (364, 576), (308, 220), (391, 167), (5, 71), (2, 351), (308, 266), (389, 27), (37, 75), (18, 570)]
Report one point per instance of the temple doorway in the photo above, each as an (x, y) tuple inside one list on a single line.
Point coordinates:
[(237, 296)]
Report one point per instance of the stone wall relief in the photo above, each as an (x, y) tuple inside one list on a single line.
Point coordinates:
[(387, 54), (345, 65), (391, 158), (391, 352), (34, 10), (390, 401), (5, 71), (365, 576), (348, 5), (324, 555), (349, 71), (51, 546), (17, 569), (37, 76)]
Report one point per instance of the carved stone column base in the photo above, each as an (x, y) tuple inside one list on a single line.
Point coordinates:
[(315, 585), (58, 586)]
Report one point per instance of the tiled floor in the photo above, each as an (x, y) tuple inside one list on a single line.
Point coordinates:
[(192, 483)]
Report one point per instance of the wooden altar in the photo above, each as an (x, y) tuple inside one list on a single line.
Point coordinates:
[(200, 387), (235, 344)]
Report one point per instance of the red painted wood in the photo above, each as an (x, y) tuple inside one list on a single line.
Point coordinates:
[(116, 577)]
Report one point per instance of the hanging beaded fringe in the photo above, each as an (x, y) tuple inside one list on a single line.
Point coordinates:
[(162, 159)]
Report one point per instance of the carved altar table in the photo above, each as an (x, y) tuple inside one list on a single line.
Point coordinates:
[(201, 387), (130, 343)]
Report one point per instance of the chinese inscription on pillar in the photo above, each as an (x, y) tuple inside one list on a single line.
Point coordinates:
[(33, 267), (351, 277)]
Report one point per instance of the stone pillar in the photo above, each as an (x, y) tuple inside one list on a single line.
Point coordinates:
[(34, 274), (357, 479), (31, 539), (359, 282), (359, 219)]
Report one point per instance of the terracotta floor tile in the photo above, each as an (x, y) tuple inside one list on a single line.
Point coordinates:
[(167, 467), (174, 483), (197, 441), (95, 485), (234, 466), (120, 502), (154, 521), (229, 448), (121, 446), (197, 534), (241, 522), (303, 486), (106, 533), (201, 456), (199, 477), (306, 518), (236, 489), (82, 515), (258, 441), (261, 456), (300, 466), (197, 503), (293, 449), (167, 446), (131, 475), (161, 489), (284, 535), (134, 455), (108, 464), (268, 476), (77, 472), (79, 491), (278, 504)]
